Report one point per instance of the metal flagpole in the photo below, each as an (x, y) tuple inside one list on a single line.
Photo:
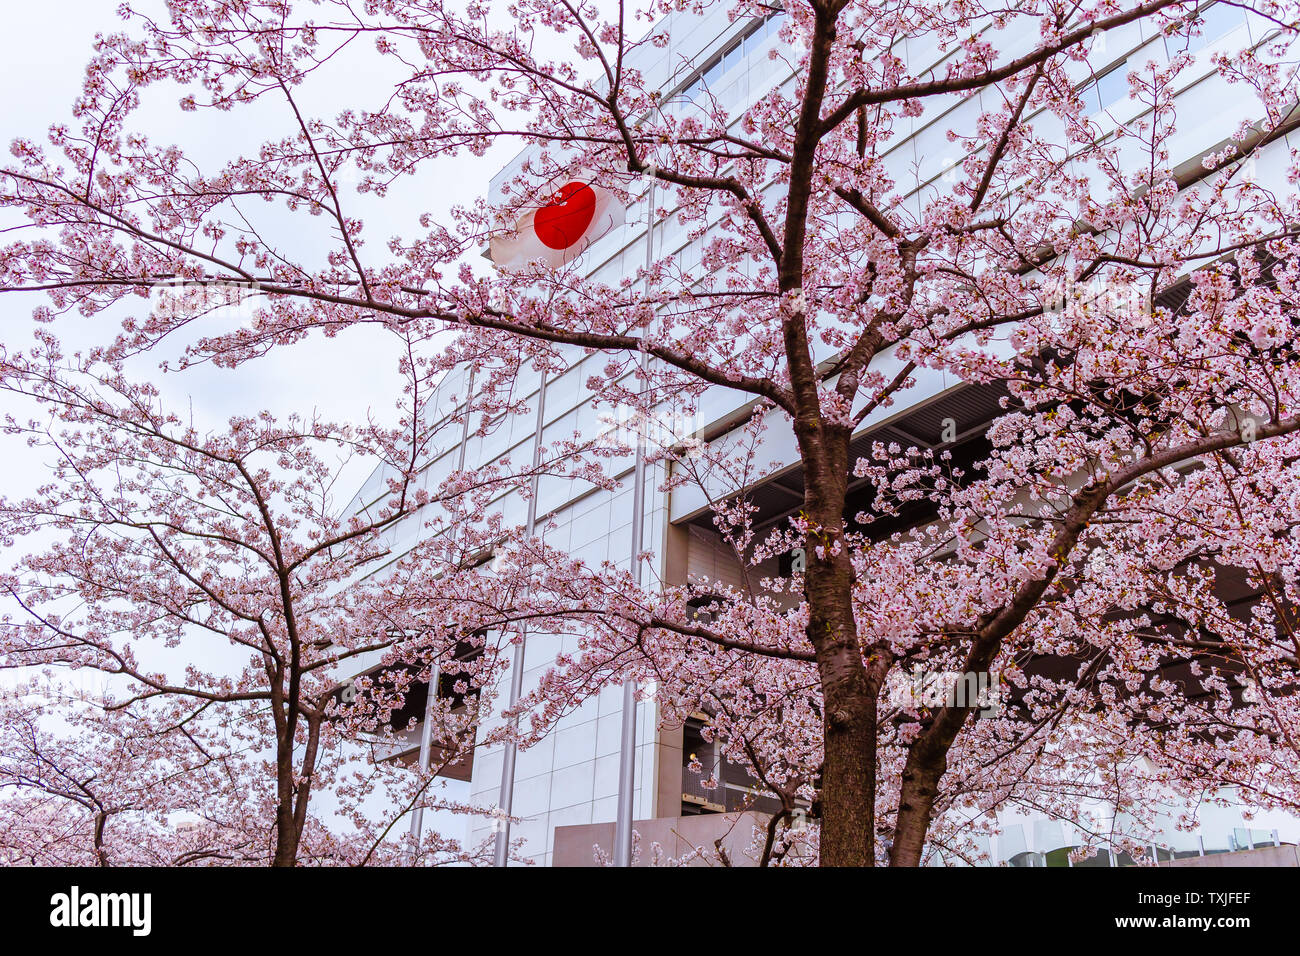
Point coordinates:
[(507, 796), (426, 732), (627, 745)]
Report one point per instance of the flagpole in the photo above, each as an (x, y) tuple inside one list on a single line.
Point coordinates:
[(507, 795), (627, 745), (426, 731)]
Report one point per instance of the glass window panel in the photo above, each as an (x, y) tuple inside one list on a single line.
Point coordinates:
[(1112, 87), (732, 58), (712, 74), (1217, 21)]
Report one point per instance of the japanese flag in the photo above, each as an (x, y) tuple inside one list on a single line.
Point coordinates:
[(568, 220)]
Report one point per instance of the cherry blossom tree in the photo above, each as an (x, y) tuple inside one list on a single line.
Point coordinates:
[(102, 795), (226, 600), (1135, 311)]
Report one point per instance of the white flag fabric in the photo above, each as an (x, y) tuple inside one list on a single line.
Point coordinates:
[(559, 230)]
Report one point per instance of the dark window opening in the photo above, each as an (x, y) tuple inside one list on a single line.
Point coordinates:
[(718, 786), (403, 722)]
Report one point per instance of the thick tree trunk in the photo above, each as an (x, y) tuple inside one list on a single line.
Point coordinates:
[(286, 833), (286, 846), (848, 793), (848, 790), (925, 767), (294, 796), (849, 721)]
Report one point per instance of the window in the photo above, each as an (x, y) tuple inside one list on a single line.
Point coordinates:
[(1112, 86), (1107, 90), (713, 74), (718, 785), (731, 59), (739, 50), (458, 681), (1216, 21)]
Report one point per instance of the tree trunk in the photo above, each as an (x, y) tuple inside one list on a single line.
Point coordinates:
[(848, 792), (848, 785), (924, 769), (286, 834)]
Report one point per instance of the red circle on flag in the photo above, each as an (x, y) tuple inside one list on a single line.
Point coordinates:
[(562, 221)]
